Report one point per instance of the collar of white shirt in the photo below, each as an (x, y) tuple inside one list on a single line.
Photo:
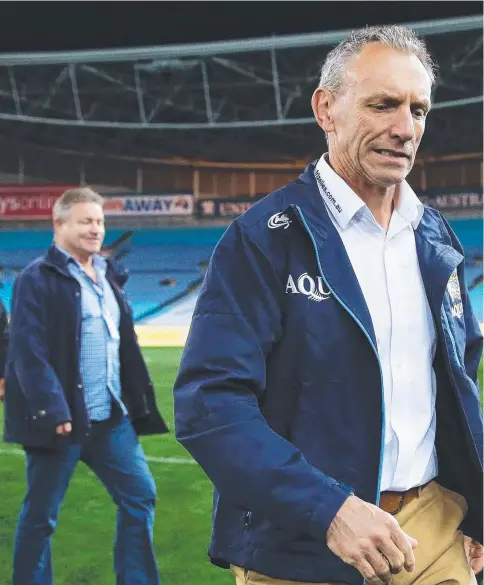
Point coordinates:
[(344, 203)]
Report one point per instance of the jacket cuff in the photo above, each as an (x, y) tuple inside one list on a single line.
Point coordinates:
[(335, 497), (49, 420)]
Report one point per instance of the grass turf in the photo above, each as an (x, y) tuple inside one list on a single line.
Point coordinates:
[(82, 547)]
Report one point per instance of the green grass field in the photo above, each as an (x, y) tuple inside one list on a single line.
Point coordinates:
[(83, 542)]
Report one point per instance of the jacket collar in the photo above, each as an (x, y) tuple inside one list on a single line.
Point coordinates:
[(408, 205), (430, 227), (57, 259), (343, 203), (311, 202)]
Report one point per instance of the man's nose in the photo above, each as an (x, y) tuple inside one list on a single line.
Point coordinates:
[(403, 126)]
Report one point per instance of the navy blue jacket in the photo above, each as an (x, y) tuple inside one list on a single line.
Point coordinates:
[(42, 375), (279, 395)]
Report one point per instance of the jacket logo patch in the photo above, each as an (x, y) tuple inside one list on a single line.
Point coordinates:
[(453, 289), (305, 285), (279, 220)]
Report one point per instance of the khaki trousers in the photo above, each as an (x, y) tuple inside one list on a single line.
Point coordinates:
[(433, 519)]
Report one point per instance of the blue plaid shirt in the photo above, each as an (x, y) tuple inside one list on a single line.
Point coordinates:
[(99, 340)]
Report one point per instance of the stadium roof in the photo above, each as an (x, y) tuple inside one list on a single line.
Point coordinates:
[(246, 100)]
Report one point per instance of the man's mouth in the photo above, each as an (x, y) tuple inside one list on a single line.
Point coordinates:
[(392, 153)]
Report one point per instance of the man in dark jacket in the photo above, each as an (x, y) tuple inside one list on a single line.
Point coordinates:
[(77, 388), (328, 386)]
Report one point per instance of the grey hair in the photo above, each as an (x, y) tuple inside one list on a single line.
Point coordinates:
[(63, 206), (397, 37)]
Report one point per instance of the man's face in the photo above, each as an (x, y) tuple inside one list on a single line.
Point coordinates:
[(377, 122), (82, 234)]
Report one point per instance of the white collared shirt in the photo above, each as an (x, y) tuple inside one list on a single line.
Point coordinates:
[(387, 269)]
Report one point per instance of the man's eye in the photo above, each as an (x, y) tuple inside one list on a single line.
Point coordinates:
[(380, 107)]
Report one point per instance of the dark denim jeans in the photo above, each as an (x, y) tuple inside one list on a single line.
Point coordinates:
[(113, 452)]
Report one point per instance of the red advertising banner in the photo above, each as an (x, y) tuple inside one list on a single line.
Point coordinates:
[(35, 202), (29, 202)]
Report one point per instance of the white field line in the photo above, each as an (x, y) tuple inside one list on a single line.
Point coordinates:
[(166, 460)]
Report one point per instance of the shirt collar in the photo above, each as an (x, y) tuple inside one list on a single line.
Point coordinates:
[(343, 203), (97, 260), (408, 205)]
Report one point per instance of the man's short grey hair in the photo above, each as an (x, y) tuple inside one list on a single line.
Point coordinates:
[(63, 205), (397, 37)]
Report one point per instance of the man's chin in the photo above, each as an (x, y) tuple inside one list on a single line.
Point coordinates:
[(390, 179), (92, 249)]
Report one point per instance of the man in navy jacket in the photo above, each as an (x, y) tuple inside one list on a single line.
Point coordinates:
[(329, 382), (77, 388)]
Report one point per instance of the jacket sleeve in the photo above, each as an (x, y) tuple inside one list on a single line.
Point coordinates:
[(3, 338), (237, 322), (28, 353), (474, 339)]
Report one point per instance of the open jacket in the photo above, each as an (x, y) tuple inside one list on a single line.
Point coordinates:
[(279, 395), (42, 375)]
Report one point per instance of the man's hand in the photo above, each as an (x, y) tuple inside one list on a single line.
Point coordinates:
[(475, 554), (370, 540), (64, 429), (2, 389)]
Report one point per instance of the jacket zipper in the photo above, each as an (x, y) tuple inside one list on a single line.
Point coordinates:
[(355, 318)]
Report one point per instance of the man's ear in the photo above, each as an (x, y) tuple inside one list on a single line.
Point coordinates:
[(57, 223), (321, 103)]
